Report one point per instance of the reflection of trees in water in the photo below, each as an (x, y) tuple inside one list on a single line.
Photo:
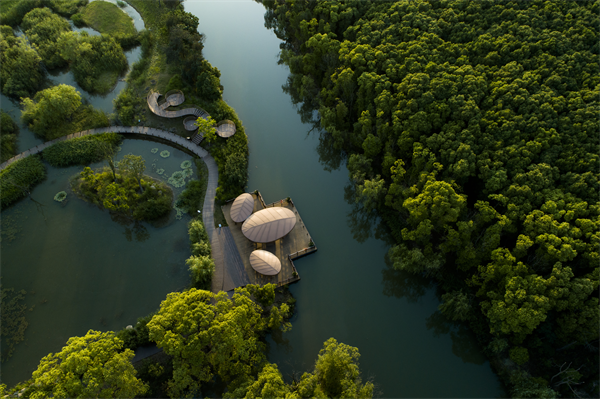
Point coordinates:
[(464, 342), (138, 232), (401, 284), (365, 223), (329, 156)]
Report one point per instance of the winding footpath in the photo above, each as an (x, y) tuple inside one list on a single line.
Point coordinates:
[(208, 208)]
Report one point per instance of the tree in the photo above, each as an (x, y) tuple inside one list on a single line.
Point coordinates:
[(87, 367), (115, 198), (202, 268), (133, 165), (455, 306), (209, 334), (336, 374), (206, 127), (50, 108)]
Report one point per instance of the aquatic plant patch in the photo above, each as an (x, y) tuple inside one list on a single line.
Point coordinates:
[(60, 196), (154, 150), (177, 179), (165, 154), (186, 164), (14, 322), (18, 178)]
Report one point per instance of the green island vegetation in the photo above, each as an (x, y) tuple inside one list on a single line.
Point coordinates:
[(8, 137), (59, 111), (123, 188), (96, 61), (22, 73), (172, 60), (13, 11), (18, 178), (44, 29), (82, 150), (212, 344), (471, 129), (108, 19)]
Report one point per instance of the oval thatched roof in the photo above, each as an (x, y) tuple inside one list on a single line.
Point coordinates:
[(265, 262), (269, 224), (242, 207)]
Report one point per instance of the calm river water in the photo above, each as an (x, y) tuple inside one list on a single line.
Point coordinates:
[(347, 291)]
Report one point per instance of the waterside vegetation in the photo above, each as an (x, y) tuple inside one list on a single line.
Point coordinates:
[(471, 128), (18, 179), (9, 131)]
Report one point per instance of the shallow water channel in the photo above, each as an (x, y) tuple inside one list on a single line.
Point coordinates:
[(346, 290)]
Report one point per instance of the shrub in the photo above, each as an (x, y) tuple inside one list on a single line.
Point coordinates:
[(175, 83), (202, 269), (189, 199), (8, 137), (519, 355), (60, 196), (137, 336), (14, 16), (18, 178), (81, 150)]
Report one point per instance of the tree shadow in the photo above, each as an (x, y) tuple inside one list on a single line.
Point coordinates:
[(134, 230), (464, 342)]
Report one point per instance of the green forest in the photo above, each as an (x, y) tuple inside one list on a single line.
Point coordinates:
[(471, 129)]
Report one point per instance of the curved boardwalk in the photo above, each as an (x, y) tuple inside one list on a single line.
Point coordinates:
[(158, 109), (208, 207)]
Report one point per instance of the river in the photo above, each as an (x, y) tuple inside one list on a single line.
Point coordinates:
[(347, 291)]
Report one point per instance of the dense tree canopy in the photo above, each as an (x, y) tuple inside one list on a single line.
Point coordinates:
[(96, 61), (44, 28), (50, 107), (8, 137), (92, 366), (210, 335), (472, 127), (21, 74)]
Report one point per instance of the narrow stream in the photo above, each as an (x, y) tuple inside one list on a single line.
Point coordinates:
[(347, 291)]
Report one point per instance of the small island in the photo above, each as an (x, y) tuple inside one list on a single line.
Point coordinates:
[(124, 189)]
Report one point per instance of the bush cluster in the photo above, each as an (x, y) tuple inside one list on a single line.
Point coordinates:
[(122, 195), (200, 263), (21, 74), (137, 336), (81, 150), (18, 178), (8, 137)]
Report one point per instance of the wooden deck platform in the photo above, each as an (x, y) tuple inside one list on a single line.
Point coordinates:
[(288, 248)]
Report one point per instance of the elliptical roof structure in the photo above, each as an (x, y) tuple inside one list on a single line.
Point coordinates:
[(269, 224), (242, 207), (265, 262)]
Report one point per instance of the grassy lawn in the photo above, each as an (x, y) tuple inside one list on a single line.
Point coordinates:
[(107, 18)]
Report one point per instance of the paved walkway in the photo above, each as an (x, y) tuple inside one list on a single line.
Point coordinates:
[(208, 208)]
